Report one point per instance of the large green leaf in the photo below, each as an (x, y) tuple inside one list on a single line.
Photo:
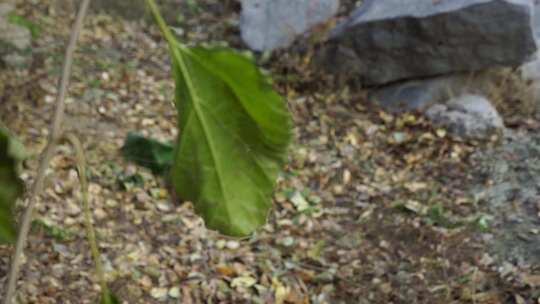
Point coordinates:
[(11, 186), (234, 134)]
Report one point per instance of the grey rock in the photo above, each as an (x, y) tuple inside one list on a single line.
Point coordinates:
[(270, 24), (387, 41), (536, 21), (15, 40), (530, 74), (513, 169), (467, 116), (531, 70), (418, 95), (415, 95)]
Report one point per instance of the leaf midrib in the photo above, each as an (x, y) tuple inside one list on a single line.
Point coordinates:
[(229, 82), (200, 118)]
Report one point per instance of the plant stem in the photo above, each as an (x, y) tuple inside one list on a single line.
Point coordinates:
[(90, 232), (54, 136), (161, 22)]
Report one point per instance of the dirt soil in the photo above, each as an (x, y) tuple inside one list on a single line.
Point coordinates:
[(371, 207)]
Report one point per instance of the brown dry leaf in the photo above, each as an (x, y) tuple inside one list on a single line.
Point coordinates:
[(280, 291), (243, 281), (532, 280), (295, 297), (306, 275), (519, 299), (415, 207), (441, 133), (415, 186), (387, 118), (225, 270), (412, 158), (488, 297), (186, 295)]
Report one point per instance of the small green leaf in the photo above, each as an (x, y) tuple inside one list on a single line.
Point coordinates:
[(482, 222), (148, 153), (35, 29), (130, 181), (316, 250), (11, 186), (52, 230), (107, 297), (436, 215)]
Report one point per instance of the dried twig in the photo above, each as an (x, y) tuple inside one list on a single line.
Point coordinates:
[(54, 137)]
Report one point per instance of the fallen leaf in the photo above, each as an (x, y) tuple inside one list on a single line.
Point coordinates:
[(532, 280), (243, 281), (299, 201), (225, 270), (280, 291)]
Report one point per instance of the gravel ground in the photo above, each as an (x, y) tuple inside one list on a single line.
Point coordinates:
[(371, 208)]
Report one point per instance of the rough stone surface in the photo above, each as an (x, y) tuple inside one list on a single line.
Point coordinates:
[(415, 95), (418, 95), (468, 116), (536, 20), (511, 197), (387, 41), (531, 70), (272, 24), (14, 39)]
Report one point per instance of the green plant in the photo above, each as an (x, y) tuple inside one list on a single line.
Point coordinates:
[(235, 132), (149, 153), (35, 29), (11, 186), (106, 296), (234, 135)]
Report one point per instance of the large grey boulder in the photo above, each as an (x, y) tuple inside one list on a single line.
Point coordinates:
[(391, 40), (468, 116), (15, 40), (270, 24)]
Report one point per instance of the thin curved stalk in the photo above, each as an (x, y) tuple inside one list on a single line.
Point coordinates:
[(55, 135), (90, 232), (160, 21)]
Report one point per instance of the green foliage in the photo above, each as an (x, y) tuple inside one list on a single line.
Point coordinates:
[(234, 137), (483, 223), (148, 153), (53, 231), (436, 215), (131, 181), (234, 134), (107, 297), (35, 29), (11, 186)]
